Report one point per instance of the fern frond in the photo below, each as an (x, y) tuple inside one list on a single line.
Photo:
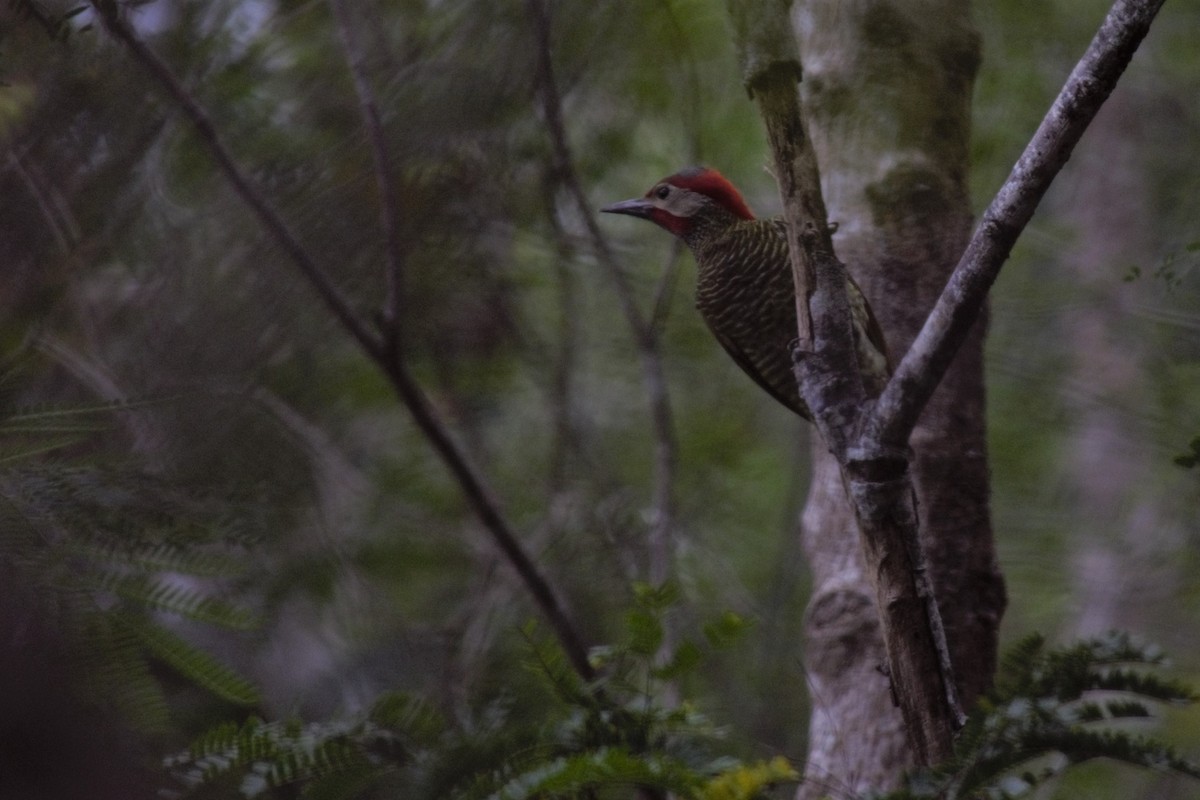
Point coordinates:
[(1018, 663), (351, 783), (410, 716), (550, 663), (168, 595), (266, 755), (113, 666), (16, 453), (37, 430), (195, 664), (35, 414), (1109, 710), (224, 750), (1082, 744), (1116, 647), (167, 557), (1051, 709), (1144, 684)]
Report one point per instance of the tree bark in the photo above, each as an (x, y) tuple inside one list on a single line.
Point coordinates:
[(887, 90), (831, 374), (909, 205)]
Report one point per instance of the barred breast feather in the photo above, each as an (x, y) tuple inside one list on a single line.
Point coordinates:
[(745, 294)]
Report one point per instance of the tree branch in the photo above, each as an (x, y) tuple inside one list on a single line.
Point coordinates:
[(770, 72), (1090, 83), (829, 378), (410, 393), (566, 340), (488, 510), (644, 333), (65, 232), (870, 441), (110, 16), (389, 202), (665, 288)]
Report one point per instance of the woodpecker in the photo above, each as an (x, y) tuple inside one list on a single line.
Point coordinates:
[(744, 287)]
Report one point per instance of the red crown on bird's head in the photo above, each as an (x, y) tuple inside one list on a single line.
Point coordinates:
[(710, 183)]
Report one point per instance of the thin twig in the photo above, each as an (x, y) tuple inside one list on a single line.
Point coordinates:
[(488, 510), (566, 341), (65, 232), (644, 333), (110, 16), (410, 393), (665, 289), (389, 201), (956, 310), (771, 74)]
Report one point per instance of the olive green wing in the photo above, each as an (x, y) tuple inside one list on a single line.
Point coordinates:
[(746, 296), (789, 400)]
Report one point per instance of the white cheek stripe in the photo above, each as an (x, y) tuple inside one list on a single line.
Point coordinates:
[(684, 203)]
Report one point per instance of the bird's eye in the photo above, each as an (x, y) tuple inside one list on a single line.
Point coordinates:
[(662, 191)]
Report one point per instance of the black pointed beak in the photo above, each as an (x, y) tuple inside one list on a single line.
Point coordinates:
[(638, 207)]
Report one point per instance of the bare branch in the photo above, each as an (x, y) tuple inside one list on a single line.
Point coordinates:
[(66, 232), (110, 16), (488, 510), (1085, 91), (644, 333), (770, 73), (410, 393), (389, 201), (665, 289), (566, 342), (830, 381)]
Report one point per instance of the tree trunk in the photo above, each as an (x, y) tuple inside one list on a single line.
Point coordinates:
[(887, 90)]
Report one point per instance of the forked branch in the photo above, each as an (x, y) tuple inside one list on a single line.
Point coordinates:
[(380, 351), (644, 332), (870, 440)]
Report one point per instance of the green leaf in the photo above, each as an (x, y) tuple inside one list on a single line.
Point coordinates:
[(726, 630), (195, 664), (747, 782), (656, 598), (645, 631), (685, 659)]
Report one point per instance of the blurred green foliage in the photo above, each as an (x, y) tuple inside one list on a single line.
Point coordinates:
[(601, 740)]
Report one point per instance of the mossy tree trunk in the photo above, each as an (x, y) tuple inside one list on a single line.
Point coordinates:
[(887, 94)]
